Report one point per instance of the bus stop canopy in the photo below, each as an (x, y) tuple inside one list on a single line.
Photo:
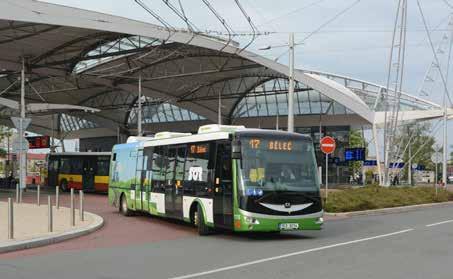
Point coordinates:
[(88, 59)]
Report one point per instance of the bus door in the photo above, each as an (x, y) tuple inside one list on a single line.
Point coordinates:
[(88, 173), (52, 172), (179, 180), (140, 191), (148, 157), (170, 189), (223, 187)]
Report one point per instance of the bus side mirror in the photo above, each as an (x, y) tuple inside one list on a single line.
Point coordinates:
[(236, 149)]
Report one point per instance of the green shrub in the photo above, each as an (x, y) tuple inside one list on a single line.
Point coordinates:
[(375, 197)]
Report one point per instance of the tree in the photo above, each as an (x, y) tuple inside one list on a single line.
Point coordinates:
[(356, 140), (417, 140), (5, 132)]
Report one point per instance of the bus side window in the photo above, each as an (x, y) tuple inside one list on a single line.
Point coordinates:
[(159, 168), (180, 162), (102, 167), (147, 166), (211, 162), (65, 165), (170, 171), (76, 166), (223, 162), (196, 169)]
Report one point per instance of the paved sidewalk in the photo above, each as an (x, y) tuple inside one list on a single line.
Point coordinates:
[(31, 221)]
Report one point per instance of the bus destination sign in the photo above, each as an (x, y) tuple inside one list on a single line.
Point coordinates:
[(274, 145)]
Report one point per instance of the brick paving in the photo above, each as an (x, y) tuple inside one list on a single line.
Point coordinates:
[(117, 230)]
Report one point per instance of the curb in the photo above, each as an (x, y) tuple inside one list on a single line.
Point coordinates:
[(390, 210), (47, 240)]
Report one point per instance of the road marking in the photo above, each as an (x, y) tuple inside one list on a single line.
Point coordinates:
[(288, 255), (440, 223)]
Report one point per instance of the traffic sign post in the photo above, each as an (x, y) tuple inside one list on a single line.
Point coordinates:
[(20, 146), (327, 145)]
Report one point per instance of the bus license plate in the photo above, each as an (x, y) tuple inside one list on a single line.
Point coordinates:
[(289, 226)]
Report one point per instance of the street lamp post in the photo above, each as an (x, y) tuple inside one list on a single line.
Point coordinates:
[(291, 85), (22, 151), (445, 146), (290, 81), (139, 115), (445, 120)]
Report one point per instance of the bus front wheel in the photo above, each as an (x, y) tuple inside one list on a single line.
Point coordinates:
[(203, 229), (123, 206)]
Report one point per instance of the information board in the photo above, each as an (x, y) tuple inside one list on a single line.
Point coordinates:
[(38, 142), (354, 154)]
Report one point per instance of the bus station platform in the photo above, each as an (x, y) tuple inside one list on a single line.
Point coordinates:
[(31, 225)]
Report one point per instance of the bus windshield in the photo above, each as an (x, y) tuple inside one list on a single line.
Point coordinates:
[(277, 164)]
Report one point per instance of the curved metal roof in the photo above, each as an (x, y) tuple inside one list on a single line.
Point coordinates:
[(90, 59)]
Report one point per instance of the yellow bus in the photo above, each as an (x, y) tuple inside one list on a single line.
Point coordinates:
[(88, 171)]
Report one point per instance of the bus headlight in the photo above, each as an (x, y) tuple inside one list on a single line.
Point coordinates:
[(251, 221), (320, 221)]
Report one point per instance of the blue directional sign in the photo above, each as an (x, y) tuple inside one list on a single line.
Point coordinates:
[(397, 165), (370, 163), (354, 154), (420, 168)]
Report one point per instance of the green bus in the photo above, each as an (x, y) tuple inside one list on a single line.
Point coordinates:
[(223, 177)]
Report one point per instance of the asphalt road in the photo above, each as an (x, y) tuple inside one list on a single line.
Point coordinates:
[(417, 244)]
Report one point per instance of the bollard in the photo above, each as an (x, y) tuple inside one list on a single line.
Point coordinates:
[(57, 197), (50, 215), (81, 213), (38, 198), (72, 208), (10, 219), (17, 192)]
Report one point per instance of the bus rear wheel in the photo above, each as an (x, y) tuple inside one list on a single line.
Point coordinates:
[(64, 186), (199, 221), (123, 206)]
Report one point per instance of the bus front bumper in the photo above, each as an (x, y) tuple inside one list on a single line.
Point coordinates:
[(252, 222)]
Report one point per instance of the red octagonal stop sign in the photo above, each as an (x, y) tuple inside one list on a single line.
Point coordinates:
[(328, 145)]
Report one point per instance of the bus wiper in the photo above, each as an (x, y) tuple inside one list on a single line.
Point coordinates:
[(270, 194)]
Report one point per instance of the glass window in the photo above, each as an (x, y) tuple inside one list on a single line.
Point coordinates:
[(65, 165), (140, 162), (53, 165), (180, 161), (315, 102), (103, 166), (159, 167), (148, 163), (170, 171), (123, 174), (196, 168), (76, 165), (278, 164), (282, 104)]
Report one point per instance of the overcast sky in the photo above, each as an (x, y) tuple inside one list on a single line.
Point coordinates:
[(356, 44)]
